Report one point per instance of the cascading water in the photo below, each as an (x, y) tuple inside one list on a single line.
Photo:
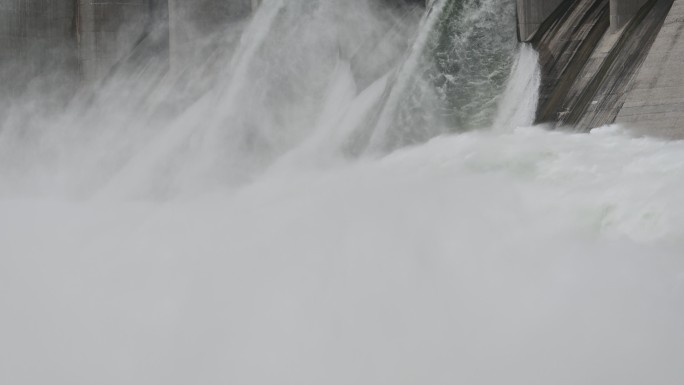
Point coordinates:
[(454, 73), (230, 236)]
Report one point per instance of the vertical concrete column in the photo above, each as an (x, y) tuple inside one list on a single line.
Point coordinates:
[(37, 38), (191, 22), (622, 11), (655, 104), (40, 24), (11, 52), (531, 15), (10, 29), (157, 31), (87, 40), (180, 32), (108, 31)]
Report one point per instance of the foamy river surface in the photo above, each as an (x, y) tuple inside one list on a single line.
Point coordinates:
[(528, 257)]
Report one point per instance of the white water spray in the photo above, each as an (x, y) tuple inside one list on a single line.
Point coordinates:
[(505, 256), (518, 105), (405, 75)]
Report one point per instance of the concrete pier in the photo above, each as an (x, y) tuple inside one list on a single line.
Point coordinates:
[(531, 15), (37, 39), (655, 104), (27, 25), (86, 37), (108, 31), (95, 36)]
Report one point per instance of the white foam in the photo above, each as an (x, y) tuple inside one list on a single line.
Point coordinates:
[(505, 256), (521, 258), (518, 103)]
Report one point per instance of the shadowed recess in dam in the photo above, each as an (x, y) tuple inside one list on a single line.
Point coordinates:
[(256, 216)]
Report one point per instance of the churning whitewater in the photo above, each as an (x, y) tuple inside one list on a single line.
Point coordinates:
[(339, 195)]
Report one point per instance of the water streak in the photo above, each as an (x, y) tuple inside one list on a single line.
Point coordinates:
[(154, 235)]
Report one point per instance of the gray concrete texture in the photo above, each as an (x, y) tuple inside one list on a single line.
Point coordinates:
[(87, 35), (34, 24), (94, 36), (531, 15), (622, 11), (37, 45), (108, 31), (605, 94), (655, 105)]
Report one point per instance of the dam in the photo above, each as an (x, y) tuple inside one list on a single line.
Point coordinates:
[(593, 52), (336, 192), (655, 100), (600, 59)]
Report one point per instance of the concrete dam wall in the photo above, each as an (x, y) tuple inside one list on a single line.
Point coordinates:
[(43, 33), (86, 39), (656, 100), (83, 41), (602, 60), (606, 61)]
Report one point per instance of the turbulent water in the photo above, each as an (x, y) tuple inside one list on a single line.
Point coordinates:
[(255, 228)]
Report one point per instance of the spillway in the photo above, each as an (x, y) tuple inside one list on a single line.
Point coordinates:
[(340, 192)]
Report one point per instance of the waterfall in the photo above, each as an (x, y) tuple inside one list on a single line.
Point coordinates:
[(406, 73), (518, 103), (453, 75), (279, 95), (343, 192)]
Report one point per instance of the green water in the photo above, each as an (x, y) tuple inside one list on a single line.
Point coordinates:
[(461, 73)]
